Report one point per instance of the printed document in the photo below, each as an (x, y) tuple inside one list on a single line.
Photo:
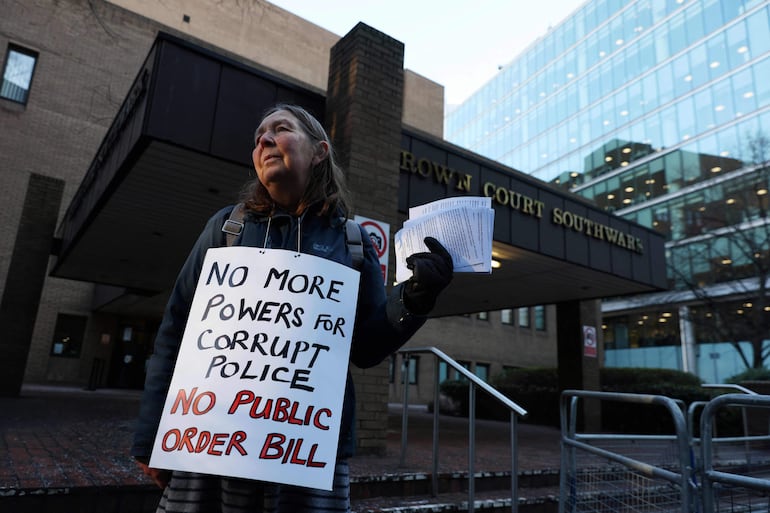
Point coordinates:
[(464, 225)]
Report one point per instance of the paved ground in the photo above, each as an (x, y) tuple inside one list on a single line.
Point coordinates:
[(58, 437)]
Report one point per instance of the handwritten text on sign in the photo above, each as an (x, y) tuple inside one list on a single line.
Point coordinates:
[(258, 386)]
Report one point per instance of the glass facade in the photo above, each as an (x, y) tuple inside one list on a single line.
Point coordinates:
[(658, 111)]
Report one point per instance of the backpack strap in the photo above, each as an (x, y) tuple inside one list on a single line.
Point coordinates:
[(355, 244), (234, 224)]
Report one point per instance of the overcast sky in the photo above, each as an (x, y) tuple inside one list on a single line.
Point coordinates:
[(457, 43)]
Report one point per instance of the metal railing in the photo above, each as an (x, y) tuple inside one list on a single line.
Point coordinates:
[(598, 487), (474, 383), (716, 482)]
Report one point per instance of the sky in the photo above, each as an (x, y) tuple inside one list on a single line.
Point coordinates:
[(458, 43)]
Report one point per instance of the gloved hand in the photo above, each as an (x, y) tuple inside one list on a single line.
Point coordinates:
[(431, 273)]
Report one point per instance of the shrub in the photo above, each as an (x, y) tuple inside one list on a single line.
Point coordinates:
[(537, 391), (761, 374)]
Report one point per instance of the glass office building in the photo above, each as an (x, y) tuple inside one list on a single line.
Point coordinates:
[(659, 111)]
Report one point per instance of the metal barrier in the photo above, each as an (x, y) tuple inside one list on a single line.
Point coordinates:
[(624, 472), (739, 479), (475, 382)]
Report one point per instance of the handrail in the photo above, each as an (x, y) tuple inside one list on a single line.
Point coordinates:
[(729, 385), (475, 381)]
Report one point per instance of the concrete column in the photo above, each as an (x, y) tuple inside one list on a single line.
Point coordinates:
[(26, 276), (363, 115), (579, 368), (687, 339)]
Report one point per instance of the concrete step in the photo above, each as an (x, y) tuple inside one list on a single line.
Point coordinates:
[(412, 493), (393, 493)]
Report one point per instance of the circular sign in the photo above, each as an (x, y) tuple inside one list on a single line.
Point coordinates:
[(377, 236)]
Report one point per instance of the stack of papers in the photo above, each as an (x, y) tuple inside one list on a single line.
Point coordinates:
[(464, 225)]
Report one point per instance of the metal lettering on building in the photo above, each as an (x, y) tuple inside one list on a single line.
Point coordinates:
[(526, 205)]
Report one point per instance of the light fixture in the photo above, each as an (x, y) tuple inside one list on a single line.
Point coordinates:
[(719, 108), (627, 201), (739, 311), (496, 264), (743, 49), (716, 169), (666, 314), (727, 261), (766, 309), (714, 64), (610, 196), (608, 158), (724, 153), (624, 163), (626, 150), (748, 94), (624, 113), (619, 42), (748, 305), (629, 189), (761, 191), (688, 78), (730, 201), (574, 174)]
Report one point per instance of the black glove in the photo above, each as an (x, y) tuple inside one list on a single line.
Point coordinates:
[(431, 273)]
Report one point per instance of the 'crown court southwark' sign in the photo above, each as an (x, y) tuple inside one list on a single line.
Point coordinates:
[(522, 203)]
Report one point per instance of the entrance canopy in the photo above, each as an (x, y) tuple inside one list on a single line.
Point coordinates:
[(180, 149)]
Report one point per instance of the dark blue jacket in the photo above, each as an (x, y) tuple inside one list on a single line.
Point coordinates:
[(382, 322)]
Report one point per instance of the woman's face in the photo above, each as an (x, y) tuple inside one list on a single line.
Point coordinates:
[(284, 156)]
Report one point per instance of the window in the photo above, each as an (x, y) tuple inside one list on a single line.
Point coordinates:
[(482, 371), (392, 369), (523, 317), (482, 316), (506, 316), (540, 318), (17, 74), (443, 371), (68, 335), (412, 369), (464, 365)]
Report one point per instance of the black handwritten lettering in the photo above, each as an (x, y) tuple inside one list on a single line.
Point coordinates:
[(303, 284)]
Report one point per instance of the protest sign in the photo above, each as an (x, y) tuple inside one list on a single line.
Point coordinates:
[(258, 387)]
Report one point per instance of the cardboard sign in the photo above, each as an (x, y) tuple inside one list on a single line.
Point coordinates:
[(258, 387)]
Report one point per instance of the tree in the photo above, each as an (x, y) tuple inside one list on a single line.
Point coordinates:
[(726, 267)]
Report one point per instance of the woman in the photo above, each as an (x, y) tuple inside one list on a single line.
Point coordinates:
[(299, 201)]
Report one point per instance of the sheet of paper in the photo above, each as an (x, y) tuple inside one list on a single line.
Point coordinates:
[(464, 225)]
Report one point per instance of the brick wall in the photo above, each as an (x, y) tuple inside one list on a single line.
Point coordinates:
[(364, 106)]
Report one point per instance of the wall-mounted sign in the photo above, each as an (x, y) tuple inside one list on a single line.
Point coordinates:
[(589, 341), (379, 234)]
